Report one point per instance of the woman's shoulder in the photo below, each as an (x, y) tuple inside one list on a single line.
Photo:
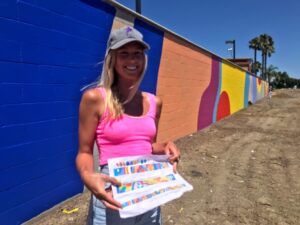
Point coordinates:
[(155, 98), (92, 96)]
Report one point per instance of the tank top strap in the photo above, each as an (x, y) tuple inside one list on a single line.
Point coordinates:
[(152, 107)]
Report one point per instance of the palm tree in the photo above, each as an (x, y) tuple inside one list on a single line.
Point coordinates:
[(281, 79), (256, 67), (254, 44), (271, 72), (267, 49)]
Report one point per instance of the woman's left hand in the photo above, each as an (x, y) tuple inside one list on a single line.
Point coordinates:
[(169, 149), (174, 154)]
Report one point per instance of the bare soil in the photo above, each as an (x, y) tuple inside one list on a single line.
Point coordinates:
[(244, 169)]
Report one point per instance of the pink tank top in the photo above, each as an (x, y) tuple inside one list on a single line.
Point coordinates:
[(127, 135)]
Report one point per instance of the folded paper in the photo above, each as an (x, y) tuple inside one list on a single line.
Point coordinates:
[(146, 182)]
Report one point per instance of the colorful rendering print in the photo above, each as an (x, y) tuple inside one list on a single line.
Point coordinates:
[(131, 186), (139, 168), (151, 195)]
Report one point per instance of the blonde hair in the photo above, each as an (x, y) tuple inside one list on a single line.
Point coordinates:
[(108, 79)]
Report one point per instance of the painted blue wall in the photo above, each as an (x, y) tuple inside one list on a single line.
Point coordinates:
[(154, 37), (49, 50), (246, 91)]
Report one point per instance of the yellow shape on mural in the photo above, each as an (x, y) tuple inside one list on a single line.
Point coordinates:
[(233, 83), (259, 85)]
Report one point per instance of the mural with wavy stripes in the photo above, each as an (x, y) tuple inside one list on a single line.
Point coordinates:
[(51, 49), (197, 87), (232, 90)]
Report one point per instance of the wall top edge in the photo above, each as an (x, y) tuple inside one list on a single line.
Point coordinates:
[(153, 23)]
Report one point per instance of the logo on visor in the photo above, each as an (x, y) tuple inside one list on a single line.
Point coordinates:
[(128, 29)]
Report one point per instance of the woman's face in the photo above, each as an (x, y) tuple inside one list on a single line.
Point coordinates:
[(130, 61)]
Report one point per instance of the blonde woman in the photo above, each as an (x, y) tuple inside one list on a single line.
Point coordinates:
[(123, 122)]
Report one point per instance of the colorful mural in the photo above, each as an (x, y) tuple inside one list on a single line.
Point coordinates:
[(230, 90), (197, 87), (62, 45)]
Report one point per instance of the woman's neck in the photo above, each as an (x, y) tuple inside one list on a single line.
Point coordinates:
[(122, 89)]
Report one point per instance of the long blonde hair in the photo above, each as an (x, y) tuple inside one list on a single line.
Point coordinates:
[(108, 79)]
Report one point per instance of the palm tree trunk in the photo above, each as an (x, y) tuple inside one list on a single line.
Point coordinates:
[(255, 69), (267, 75), (262, 65)]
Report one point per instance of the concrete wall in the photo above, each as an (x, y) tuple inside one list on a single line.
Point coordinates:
[(184, 74), (197, 87), (51, 49), (48, 52)]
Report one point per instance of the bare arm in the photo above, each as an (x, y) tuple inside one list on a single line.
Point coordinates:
[(90, 109), (88, 120)]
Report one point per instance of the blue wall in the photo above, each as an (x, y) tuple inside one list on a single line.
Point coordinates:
[(48, 51), (154, 37)]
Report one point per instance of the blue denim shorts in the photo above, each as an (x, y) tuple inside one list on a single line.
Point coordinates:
[(100, 215)]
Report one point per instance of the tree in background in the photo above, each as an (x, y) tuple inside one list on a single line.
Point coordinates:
[(255, 45), (256, 67), (271, 73), (265, 44), (281, 79), (267, 49)]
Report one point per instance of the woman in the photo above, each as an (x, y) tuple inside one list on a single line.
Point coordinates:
[(123, 121)]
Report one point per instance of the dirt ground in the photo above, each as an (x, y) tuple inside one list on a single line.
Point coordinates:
[(244, 170)]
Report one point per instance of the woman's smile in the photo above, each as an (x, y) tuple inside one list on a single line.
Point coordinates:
[(130, 61), (131, 68)]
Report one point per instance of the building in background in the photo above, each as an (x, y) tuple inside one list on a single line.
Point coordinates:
[(245, 63)]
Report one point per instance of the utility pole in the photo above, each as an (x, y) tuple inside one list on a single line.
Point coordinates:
[(233, 46), (138, 6)]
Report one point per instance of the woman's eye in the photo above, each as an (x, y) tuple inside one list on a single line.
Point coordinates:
[(138, 54), (124, 54), (127, 55)]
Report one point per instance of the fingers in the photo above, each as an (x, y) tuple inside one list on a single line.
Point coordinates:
[(172, 150), (174, 155), (112, 204), (108, 205), (112, 180), (108, 201), (105, 195), (175, 166), (174, 158)]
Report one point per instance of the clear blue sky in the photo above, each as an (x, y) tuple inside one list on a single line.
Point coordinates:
[(209, 23)]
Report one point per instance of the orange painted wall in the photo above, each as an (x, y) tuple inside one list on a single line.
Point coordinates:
[(184, 74)]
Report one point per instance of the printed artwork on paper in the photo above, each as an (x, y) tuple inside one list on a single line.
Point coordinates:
[(146, 182)]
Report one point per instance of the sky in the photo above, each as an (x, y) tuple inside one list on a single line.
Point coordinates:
[(209, 23)]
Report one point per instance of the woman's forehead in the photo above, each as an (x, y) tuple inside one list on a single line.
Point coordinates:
[(133, 45)]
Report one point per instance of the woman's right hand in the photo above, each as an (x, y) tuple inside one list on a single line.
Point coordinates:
[(96, 184)]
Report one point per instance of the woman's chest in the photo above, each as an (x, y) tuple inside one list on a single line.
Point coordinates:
[(129, 128)]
